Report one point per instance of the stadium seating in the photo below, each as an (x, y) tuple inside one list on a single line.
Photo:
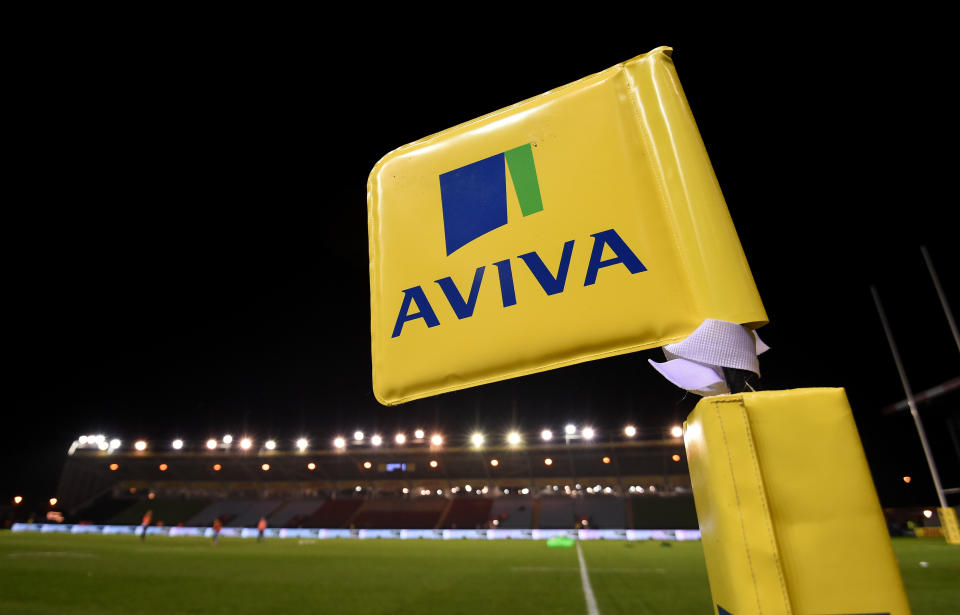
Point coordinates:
[(418, 513), (556, 512), (251, 515), (168, 512), (468, 513), (293, 512), (333, 513), (602, 511), (512, 512), (225, 510)]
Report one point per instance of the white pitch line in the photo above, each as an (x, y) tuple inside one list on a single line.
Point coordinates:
[(585, 581)]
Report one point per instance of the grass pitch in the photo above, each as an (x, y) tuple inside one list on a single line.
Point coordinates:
[(87, 574)]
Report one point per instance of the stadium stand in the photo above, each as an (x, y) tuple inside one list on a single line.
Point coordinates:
[(334, 513), (512, 512), (468, 513), (556, 512), (664, 512), (251, 515), (601, 512), (293, 512), (225, 510), (418, 513), (168, 512)]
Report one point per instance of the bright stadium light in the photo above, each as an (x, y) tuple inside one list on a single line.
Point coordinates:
[(140, 445), (405, 490), (477, 439), (17, 499), (606, 460), (115, 443), (376, 440), (265, 467), (468, 488), (436, 440), (928, 513), (114, 467), (570, 429), (400, 438), (548, 462), (339, 442), (177, 444), (211, 444), (358, 488), (358, 435), (270, 445), (494, 462), (302, 444), (217, 467), (546, 435), (630, 431), (82, 439), (53, 501), (676, 431), (588, 433), (525, 491), (228, 439), (311, 466), (418, 434), (367, 465), (246, 443), (101, 438), (162, 467), (675, 457), (433, 463), (907, 479), (102, 445), (513, 438)]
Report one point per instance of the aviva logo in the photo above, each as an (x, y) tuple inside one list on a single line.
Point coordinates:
[(475, 196)]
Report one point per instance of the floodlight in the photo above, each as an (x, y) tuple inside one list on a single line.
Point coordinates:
[(162, 467), (676, 431), (358, 435), (467, 488), (367, 465), (228, 439), (114, 467), (548, 462), (433, 463), (358, 488), (405, 490), (311, 466), (477, 439), (265, 467), (177, 444), (140, 445), (546, 435), (907, 479), (400, 438), (630, 431), (246, 443), (513, 438), (115, 443), (587, 433), (102, 445), (494, 462), (53, 501), (606, 460), (570, 429), (101, 438), (302, 444), (436, 439), (418, 434), (376, 440), (339, 442), (927, 513), (83, 439), (217, 467), (17, 499), (270, 445), (676, 457), (211, 444)]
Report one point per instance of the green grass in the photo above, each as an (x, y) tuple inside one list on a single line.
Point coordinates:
[(41, 574)]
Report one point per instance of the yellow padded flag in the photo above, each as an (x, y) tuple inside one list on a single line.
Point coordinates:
[(583, 223), (789, 517)]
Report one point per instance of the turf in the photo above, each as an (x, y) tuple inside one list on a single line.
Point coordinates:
[(41, 574)]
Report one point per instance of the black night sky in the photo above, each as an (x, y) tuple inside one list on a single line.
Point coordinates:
[(185, 239)]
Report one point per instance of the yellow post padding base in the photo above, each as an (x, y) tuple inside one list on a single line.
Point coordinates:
[(790, 520), (948, 523)]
